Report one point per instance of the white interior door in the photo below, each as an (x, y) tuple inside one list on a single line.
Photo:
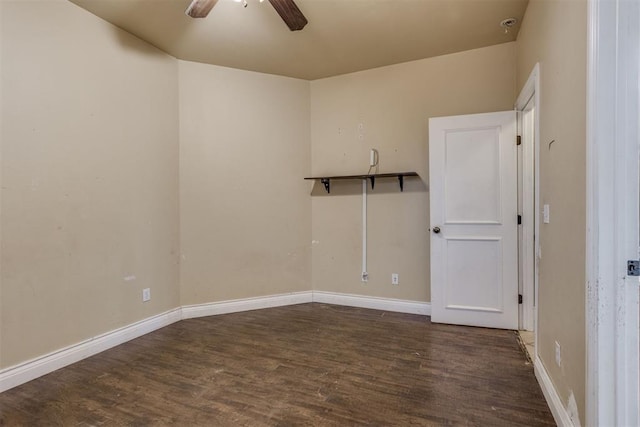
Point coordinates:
[(473, 200)]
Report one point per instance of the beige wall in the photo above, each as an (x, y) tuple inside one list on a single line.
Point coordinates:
[(90, 173), (393, 104), (554, 33), (89, 178), (245, 211)]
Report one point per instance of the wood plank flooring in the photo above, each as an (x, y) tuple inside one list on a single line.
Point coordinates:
[(308, 364)]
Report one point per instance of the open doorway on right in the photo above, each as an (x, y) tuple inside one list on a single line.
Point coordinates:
[(527, 106)]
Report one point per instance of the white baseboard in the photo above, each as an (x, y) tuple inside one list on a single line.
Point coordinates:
[(560, 414), (388, 304), (32, 369), (246, 304)]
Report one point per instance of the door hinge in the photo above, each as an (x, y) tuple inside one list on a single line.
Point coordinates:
[(633, 268), (519, 298), (518, 140), (519, 219)]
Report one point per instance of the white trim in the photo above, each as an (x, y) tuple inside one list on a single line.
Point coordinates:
[(592, 401), (560, 414), (375, 303), (530, 245), (32, 369), (530, 88), (245, 304), (613, 378), (15, 375)]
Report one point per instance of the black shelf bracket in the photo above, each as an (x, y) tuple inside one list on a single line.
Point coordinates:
[(327, 184)]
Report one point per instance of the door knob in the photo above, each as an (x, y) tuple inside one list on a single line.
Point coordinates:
[(436, 230)]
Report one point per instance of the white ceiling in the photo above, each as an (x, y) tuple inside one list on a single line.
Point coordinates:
[(342, 36)]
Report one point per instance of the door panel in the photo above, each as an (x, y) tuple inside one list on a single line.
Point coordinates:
[(476, 283), (461, 174), (473, 185)]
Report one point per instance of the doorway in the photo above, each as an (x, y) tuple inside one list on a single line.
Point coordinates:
[(527, 107), (472, 231), (613, 195)]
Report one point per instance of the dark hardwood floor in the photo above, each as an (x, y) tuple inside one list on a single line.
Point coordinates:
[(309, 364)]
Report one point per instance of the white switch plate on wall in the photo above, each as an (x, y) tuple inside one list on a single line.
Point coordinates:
[(545, 214)]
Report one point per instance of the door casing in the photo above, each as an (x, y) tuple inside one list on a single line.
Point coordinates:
[(529, 197)]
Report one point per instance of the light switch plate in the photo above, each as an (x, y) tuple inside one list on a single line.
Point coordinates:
[(545, 214)]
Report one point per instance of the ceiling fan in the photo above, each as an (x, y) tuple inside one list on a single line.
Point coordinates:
[(287, 10)]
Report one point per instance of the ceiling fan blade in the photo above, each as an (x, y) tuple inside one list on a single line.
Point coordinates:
[(290, 14), (200, 8)]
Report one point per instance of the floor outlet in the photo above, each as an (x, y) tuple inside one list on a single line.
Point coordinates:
[(146, 294), (394, 279)]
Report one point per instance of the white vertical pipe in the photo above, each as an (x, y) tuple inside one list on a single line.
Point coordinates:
[(365, 275)]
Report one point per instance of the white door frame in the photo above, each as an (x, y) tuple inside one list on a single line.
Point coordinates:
[(529, 244), (613, 137)]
